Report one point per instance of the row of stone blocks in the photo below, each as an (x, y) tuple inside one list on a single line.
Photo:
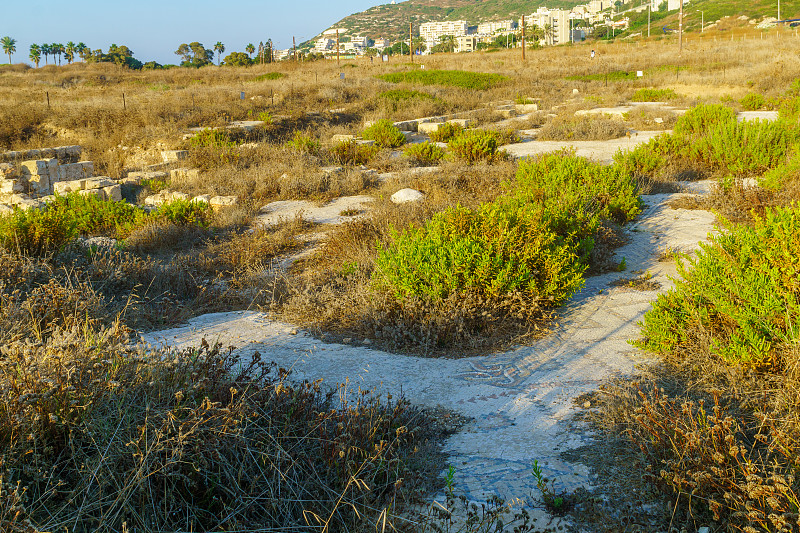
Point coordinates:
[(64, 154)]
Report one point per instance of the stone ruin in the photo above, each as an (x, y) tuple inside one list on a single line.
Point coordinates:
[(31, 178)]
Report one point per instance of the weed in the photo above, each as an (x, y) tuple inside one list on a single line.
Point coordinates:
[(476, 145), (557, 504), (351, 153), (446, 131), (269, 76), (385, 134), (426, 153), (304, 143), (584, 128), (34, 232), (753, 101)]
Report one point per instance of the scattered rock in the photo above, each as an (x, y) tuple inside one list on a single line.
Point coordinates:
[(342, 138), (173, 156), (407, 195), (202, 198), (429, 127), (575, 92), (223, 201), (587, 405)]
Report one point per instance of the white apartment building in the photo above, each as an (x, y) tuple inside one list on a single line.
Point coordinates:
[(555, 23), (495, 26), (596, 6), (672, 5), (432, 31), (466, 43), (359, 41), (323, 44)]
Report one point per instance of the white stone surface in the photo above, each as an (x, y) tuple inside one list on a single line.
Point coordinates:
[(329, 213), (407, 195), (600, 151)]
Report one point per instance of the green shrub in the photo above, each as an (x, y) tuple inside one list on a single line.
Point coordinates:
[(643, 160), (93, 216), (475, 145), (36, 232), (351, 153), (700, 119), (446, 131), (739, 298), (453, 78), (184, 213), (753, 101), (385, 134), (304, 143), (614, 75), (495, 251), (209, 138), (653, 95), (426, 153)]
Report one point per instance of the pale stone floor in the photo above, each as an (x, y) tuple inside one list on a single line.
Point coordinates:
[(521, 402)]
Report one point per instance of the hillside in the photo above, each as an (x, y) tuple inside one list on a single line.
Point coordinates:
[(391, 20)]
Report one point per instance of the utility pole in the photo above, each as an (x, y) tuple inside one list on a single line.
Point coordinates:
[(337, 47), (294, 48), (779, 9), (680, 30), (523, 37), (411, 40)]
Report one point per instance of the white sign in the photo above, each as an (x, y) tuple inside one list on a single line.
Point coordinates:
[(639, 73)]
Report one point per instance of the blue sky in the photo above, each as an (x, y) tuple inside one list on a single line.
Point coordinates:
[(154, 29)]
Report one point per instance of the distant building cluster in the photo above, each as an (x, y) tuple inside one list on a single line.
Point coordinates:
[(547, 27)]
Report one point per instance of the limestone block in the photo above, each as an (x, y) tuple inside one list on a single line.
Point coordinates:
[(136, 178), (97, 193), (406, 195), (368, 123), (16, 199), (33, 154), (154, 200), (30, 203), (223, 201), (173, 196), (408, 134), (36, 167), (5, 210), (96, 183), (365, 142), (331, 171), (75, 171), (66, 187), (73, 151), (463, 122), (507, 113), (10, 156), (341, 138), (407, 125), (7, 171), (11, 186), (112, 193), (173, 156), (39, 185), (429, 127), (47, 199), (48, 153), (202, 198), (526, 108), (179, 175)]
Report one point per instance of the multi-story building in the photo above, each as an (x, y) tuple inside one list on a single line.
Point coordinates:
[(382, 43), (496, 26), (323, 44), (431, 32), (466, 43), (672, 5), (554, 23)]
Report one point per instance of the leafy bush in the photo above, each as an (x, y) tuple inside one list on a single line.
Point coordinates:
[(446, 131), (304, 143), (614, 75), (534, 242), (475, 145), (653, 95), (351, 153), (453, 78), (385, 134), (753, 101), (739, 295), (426, 153), (496, 250), (270, 76), (36, 232), (209, 138), (700, 119), (185, 213), (93, 216)]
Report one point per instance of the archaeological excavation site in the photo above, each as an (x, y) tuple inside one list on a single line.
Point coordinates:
[(473, 292)]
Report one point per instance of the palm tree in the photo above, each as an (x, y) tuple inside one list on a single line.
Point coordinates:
[(9, 46), (35, 54), (69, 52), (219, 48), (57, 49), (448, 42), (44, 48), (83, 51), (250, 49)]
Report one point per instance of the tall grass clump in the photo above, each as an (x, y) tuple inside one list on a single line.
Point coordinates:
[(304, 143), (446, 131), (93, 216), (351, 153), (385, 134), (653, 95), (476, 145), (99, 435)]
